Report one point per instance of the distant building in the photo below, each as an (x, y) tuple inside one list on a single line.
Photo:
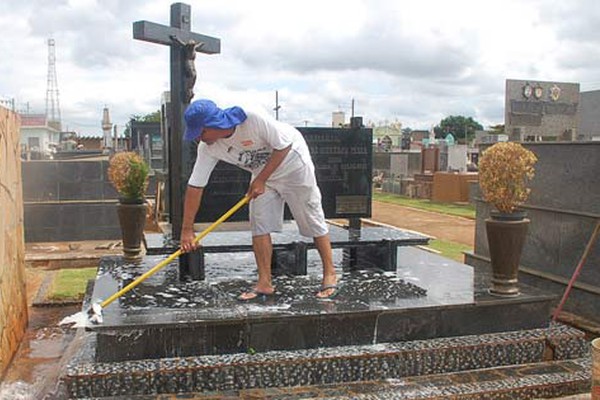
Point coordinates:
[(487, 137), (418, 135), (37, 134), (338, 119), (541, 111)]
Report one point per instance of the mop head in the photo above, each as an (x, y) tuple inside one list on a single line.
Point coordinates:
[(95, 314)]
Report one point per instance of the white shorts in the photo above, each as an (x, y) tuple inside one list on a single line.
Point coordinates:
[(300, 191)]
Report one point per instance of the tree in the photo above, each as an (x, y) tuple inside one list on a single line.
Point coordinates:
[(497, 129), (151, 117), (461, 127)]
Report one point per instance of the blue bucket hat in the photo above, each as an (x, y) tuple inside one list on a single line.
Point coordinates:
[(205, 113)]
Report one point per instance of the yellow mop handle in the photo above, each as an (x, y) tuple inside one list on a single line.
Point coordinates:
[(173, 256)]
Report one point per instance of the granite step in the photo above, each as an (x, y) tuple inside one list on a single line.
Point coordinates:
[(550, 379), (559, 348)]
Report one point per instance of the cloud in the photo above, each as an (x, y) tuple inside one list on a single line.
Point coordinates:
[(415, 62)]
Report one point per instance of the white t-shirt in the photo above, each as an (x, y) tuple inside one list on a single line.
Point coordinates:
[(250, 148)]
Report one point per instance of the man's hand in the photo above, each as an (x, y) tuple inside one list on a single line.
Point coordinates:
[(187, 240), (257, 187)]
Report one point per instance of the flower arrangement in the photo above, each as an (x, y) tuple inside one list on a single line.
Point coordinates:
[(505, 170), (128, 173)]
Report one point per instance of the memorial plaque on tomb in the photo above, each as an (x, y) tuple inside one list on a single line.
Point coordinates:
[(343, 166), (536, 110), (343, 161)]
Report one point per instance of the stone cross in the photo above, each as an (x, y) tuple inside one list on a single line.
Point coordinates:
[(183, 44)]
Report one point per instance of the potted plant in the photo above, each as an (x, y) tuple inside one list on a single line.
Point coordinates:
[(128, 173), (505, 170)]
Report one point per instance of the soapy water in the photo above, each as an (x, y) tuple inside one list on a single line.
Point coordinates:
[(17, 391), (77, 320), (42, 356), (82, 319), (182, 296)]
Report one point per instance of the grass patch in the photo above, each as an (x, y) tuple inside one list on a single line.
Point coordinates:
[(458, 210), (449, 249), (70, 284)]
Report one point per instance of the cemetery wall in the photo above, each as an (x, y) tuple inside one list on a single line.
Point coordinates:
[(589, 122), (564, 207), (13, 300), (70, 200)]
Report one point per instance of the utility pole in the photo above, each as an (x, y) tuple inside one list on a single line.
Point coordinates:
[(352, 113), (277, 106)]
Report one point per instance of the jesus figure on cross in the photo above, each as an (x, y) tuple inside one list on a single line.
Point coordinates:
[(190, 48)]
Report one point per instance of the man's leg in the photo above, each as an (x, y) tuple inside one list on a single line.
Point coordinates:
[(323, 245), (263, 252)]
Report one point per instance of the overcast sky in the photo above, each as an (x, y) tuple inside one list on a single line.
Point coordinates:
[(411, 61)]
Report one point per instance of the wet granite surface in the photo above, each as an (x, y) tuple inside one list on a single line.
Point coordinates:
[(164, 298), (369, 247), (218, 241)]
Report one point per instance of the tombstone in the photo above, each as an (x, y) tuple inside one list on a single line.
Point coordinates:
[(539, 111), (147, 141), (430, 160), (386, 143), (343, 167), (457, 158)]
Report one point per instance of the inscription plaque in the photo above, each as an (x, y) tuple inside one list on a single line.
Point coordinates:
[(526, 107), (526, 119), (354, 205), (560, 108)]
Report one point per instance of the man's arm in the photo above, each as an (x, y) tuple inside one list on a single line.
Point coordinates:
[(257, 187), (191, 204)]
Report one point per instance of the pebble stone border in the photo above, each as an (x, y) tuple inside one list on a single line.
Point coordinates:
[(322, 366)]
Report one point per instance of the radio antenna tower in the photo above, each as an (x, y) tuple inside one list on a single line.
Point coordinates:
[(52, 103)]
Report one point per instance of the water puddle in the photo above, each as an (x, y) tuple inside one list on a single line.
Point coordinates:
[(33, 373)]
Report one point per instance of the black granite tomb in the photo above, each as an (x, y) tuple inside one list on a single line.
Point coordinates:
[(426, 297)]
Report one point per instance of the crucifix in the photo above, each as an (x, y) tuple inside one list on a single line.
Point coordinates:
[(183, 45)]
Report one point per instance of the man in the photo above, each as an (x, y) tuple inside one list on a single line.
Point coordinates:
[(282, 172)]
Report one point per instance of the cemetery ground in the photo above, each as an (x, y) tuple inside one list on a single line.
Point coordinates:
[(57, 274)]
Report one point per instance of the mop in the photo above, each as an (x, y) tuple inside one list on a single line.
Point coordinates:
[(94, 313)]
